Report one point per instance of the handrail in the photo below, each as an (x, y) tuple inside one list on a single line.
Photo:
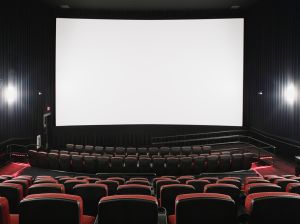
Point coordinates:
[(265, 135), (215, 138), (202, 133)]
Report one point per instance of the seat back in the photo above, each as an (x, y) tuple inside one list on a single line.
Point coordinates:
[(117, 164), (46, 188), (121, 180), (227, 189), (130, 164), (284, 182), (51, 208), (69, 184), (53, 161), (89, 148), (4, 211), (293, 188), (91, 195), (77, 163), (102, 164), (273, 207), (261, 187), (198, 184), (153, 151), (142, 151), (142, 182), (144, 165), (136, 189), (210, 208), (186, 150), (161, 183), (65, 162), (172, 166), (112, 186), (158, 165), (186, 165), (89, 164), (131, 151), (120, 151), (168, 194), (133, 209)]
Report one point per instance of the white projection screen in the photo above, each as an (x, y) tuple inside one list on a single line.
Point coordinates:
[(115, 72)]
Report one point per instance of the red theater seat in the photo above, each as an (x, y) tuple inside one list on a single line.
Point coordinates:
[(284, 182), (69, 184), (112, 186), (142, 182), (119, 179), (168, 194), (161, 183), (129, 209), (23, 183), (198, 184), (261, 187), (46, 188), (53, 208), (13, 193), (5, 217), (227, 189), (230, 181), (137, 189), (273, 207), (203, 208), (293, 188), (91, 195)]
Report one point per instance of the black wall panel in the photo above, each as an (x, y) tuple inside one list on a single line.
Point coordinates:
[(272, 61), (26, 61)]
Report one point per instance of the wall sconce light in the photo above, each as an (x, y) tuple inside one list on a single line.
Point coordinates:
[(10, 94)]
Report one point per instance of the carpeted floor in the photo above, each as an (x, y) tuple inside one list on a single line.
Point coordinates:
[(13, 168)]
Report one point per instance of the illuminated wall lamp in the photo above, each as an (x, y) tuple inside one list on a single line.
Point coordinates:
[(290, 94), (10, 94)]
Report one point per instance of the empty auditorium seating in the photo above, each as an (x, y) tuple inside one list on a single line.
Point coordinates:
[(112, 186), (230, 181), (172, 166), (5, 216), (109, 150), (261, 187), (116, 164), (272, 207), (89, 164), (134, 189), (131, 151), (163, 182), (53, 208), (284, 182), (46, 188), (145, 165), (91, 195), (158, 165), (142, 151), (133, 209), (293, 188), (88, 149), (77, 163), (227, 189), (168, 194), (198, 184), (65, 162), (119, 179), (14, 194), (204, 208), (186, 165), (120, 151), (137, 181), (130, 164), (53, 161), (102, 164), (69, 184), (23, 183)]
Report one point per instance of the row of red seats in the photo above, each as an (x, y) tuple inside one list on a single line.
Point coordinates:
[(165, 188), (261, 208), (110, 150), (143, 164)]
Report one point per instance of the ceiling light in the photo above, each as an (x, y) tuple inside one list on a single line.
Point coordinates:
[(65, 6), (235, 7)]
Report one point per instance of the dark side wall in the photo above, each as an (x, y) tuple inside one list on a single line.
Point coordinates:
[(26, 61), (272, 61)]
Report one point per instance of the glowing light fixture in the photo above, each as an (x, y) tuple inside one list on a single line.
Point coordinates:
[(290, 93), (10, 94)]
